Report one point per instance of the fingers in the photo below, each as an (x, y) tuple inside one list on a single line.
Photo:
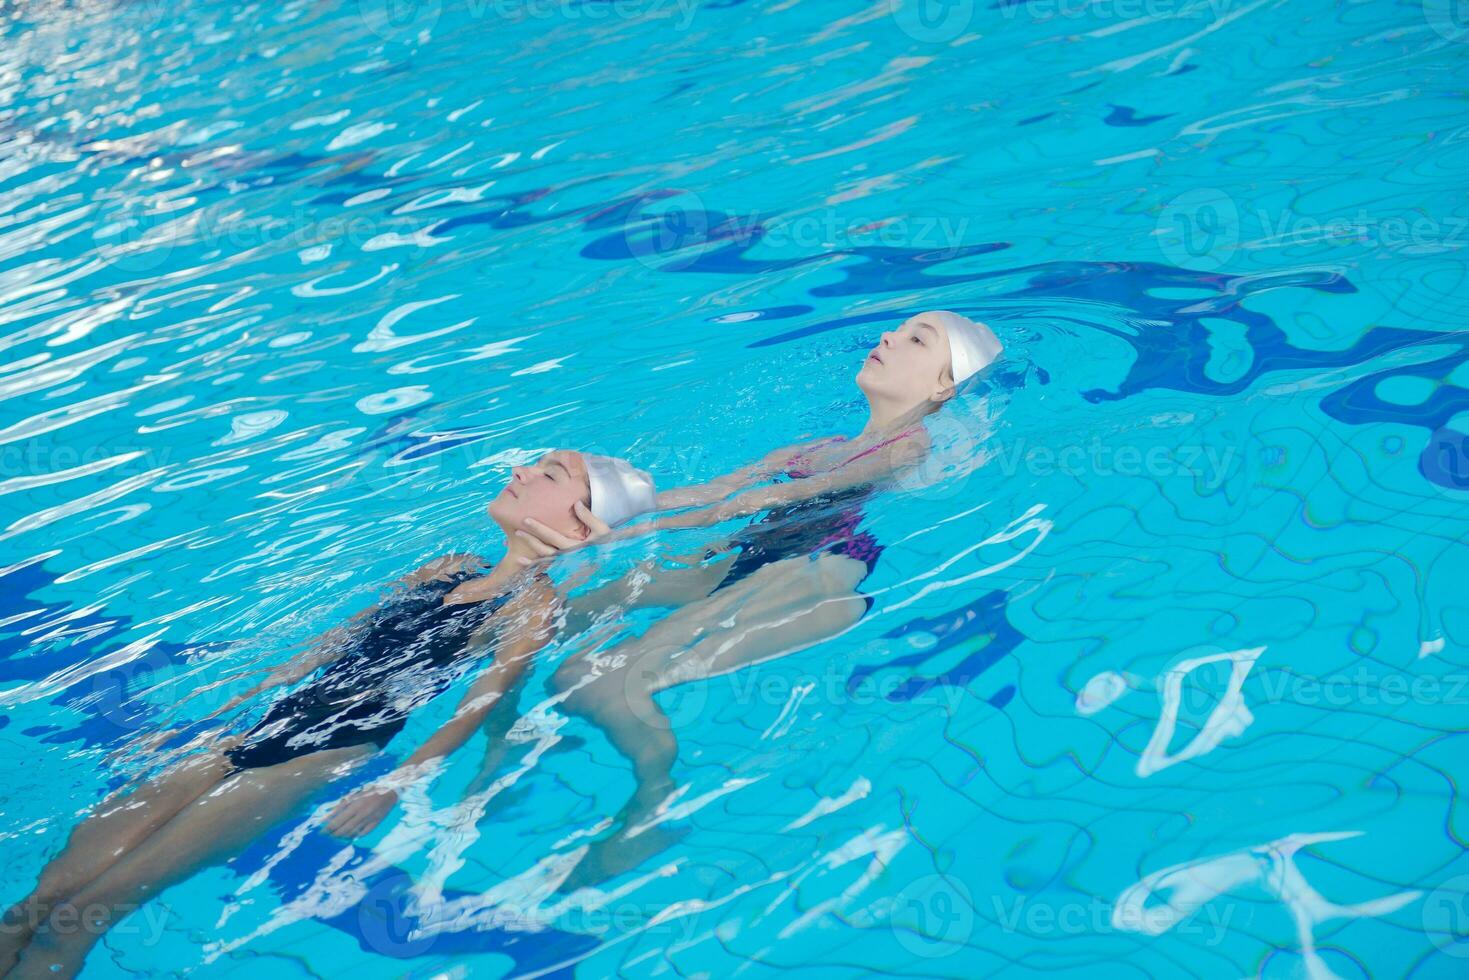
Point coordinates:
[(537, 545), (548, 535), (357, 815), (541, 557), (597, 526), (346, 825), (345, 817)]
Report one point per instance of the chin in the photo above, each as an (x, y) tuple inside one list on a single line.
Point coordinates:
[(879, 388), (501, 511)]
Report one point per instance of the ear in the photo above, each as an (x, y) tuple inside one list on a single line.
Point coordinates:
[(944, 388), (582, 531)]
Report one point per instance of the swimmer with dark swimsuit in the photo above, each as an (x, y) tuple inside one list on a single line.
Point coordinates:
[(785, 582), (445, 621)]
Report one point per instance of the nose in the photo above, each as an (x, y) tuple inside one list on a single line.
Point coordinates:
[(517, 473), (887, 339)]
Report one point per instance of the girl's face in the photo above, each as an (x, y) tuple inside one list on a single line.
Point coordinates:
[(547, 491), (910, 365)]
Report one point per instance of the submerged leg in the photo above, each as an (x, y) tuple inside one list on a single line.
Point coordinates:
[(98, 842), (781, 608), (210, 829)]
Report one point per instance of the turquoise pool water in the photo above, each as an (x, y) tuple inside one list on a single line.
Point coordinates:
[(1166, 672)]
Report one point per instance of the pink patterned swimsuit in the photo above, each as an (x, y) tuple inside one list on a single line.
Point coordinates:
[(824, 524)]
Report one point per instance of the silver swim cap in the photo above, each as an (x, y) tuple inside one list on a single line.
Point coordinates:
[(972, 346), (620, 491)]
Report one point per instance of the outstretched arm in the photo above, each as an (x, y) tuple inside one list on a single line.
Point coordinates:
[(529, 621), (895, 457), (548, 542), (700, 494), (722, 487)]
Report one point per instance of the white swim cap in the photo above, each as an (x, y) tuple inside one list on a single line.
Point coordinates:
[(620, 491), (972, 346)]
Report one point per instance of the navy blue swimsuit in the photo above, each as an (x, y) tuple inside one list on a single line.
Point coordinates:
[(820, 525), (407, 653), (824, 524)]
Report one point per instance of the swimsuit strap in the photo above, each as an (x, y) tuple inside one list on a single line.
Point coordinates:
[(805, 453), (886, 442), (866, 452)]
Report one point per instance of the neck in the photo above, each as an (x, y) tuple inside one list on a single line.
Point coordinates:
[(509, 566), (887, 417)]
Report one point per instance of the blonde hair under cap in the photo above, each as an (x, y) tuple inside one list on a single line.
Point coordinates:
[(619, 490), (972, 346)]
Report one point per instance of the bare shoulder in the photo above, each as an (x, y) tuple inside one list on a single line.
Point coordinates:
[(910, 449), (917, 439), (443, 566)]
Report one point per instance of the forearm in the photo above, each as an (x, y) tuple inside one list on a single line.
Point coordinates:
[(757, 499), (445, 742), (742, 505), (483, 695), (694, 496), (720, 488)]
